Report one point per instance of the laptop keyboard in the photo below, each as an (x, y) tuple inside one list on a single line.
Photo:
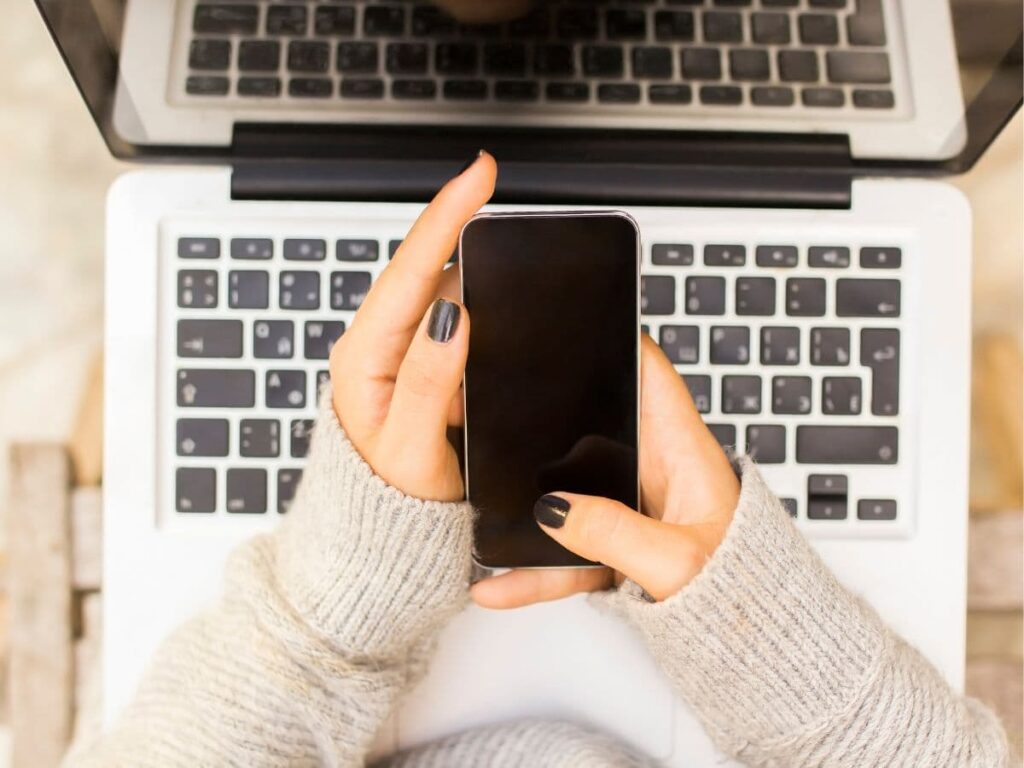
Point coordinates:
[(674, 56), (791, 350)]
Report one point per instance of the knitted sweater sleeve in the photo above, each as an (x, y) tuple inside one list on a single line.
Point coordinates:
[(321, 626), (784, 667)]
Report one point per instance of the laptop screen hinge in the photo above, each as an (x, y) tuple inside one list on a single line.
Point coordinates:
[(548, 166)]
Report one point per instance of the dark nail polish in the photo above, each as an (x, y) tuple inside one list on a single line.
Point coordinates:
[(444, 319), (471, 162), (551, 511)]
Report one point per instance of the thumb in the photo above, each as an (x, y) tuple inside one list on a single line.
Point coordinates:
[(660, 557)]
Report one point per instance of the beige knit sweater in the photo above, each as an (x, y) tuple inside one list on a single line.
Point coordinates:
[(326, 622)]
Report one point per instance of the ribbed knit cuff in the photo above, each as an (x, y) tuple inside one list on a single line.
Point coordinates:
[(371, 568), (764, 643)]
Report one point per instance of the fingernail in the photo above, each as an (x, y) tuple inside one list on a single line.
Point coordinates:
[(444, 319), (551, 511), (471, 162)]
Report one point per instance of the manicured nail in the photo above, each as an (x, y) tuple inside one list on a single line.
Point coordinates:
[(551, 511), (444, 319), (471, 162)]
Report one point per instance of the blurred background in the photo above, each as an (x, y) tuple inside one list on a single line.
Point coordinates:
[(55, 171)]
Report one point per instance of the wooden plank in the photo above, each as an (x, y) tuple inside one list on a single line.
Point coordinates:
[(995, 562), (87, 538), (86, 441), (998, 684), (995, 635), (42, 660)]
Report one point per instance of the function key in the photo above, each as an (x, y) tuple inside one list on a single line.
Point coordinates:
[(254, 248), (320, 337), (197, 288), (700, 391), (212, 388), (384, 20), (247, 491), (876, 509), (285, 19), (286, 389), (299, 436), (671, 255), (209, 54), (867, 298), (766, 443), (669, 94), (305, 250), (725, 255), (259, 438), (705, 295), (273, 339), (207, 85), (830, 346), (805, 297), (881, 258), (248, 289), (287, 484), (776, 256), (201, 437), (225, 19), (791, 395), (681, 343), (299, 290), (356, 250), (730, 345), (198, 248), (576, 92), (657, 295), (828, 257), (334, 20), (209, 338), (755, 296), (259, 55), (195, 489), (741, 394)]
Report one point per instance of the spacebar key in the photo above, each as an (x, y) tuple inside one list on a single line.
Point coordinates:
[(847, 445)]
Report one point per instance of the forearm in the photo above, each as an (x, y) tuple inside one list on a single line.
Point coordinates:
[(785, 667)]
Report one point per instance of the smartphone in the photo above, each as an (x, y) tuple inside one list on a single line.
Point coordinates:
[(552, 377)]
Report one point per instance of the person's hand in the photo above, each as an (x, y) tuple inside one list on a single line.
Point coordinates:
[(689, 490), (397, 372), (485, 11)]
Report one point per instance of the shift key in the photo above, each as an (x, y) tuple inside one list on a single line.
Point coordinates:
[(215, 388), (847, 445)]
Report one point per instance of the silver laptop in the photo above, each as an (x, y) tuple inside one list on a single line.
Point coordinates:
[(810, 285)]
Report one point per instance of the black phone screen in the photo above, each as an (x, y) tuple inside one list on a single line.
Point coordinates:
[(552, 375)]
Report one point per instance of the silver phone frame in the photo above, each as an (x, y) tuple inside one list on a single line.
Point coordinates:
[(478, 566)]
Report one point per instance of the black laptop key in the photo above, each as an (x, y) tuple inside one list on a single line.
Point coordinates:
[(766, 443), (680, 343), (772, 96), (770, 28), (671, 254), (657, 295), (702, 64), (505, 59), (247, 491), (674, 26), (577, 23), (429, 21), (209, 54), (651, 61), (876, 509), (700, 391), (828, 257), (669, 94), (465, 90), (248, 289), (780, 345), (286, 19), (791, 395), (356, 250), (841, 395), (259, 86), (320, 337), (322, 379), (384, 20), (780, 3), (721, 95), (198, 248), (225, 19), (705, 295), (603, 61), (881, 258), (847, 445), (259, 438), (725, 434), (456, 58), (572, 91), (748, 64), (880, 351), (516, 90), (362, 88), (285, 389), (625, 24), (832, 4), (618, 93), (299, 290), (273, 339), (776, 256), (828, 98), (308, 56), (393, 246), (253, 248), (826, 508), (357, 58), (207, 85), (867, 25), (723, 27), (730, 345), (215, 388), (828, 485), (867, 298), (305, 249), (337, 20), (725, 255), (259, 55), (209, 338), (197, 288), (830, 346), (201, 437), (818, 29), (287, 484), (755, 296), (406, 58), (873, 99), (805, 297), (857, 67), (299, 436), (417, 89), (554, 60), (741, 394), (789, 504), (798, 66), (195, 489)]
